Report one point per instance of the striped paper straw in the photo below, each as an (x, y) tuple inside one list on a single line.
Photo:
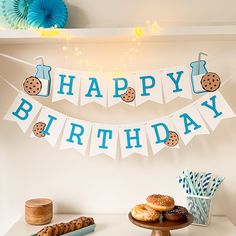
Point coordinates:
[(205, 182), (217, 182)]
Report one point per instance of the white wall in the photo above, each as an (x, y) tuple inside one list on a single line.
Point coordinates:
[(100, 13), (31, 169)]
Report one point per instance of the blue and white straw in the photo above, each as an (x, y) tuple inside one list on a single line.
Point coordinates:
[(200, 187)]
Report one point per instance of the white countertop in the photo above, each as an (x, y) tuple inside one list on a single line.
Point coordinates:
[(108, 225)]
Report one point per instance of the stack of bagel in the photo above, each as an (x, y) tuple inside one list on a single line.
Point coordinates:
[(157, 205)]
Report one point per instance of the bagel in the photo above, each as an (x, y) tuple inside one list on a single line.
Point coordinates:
[(160, 202), (143, 212)]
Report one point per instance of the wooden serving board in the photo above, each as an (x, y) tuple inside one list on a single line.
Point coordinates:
[(79, 232), (163, 227)]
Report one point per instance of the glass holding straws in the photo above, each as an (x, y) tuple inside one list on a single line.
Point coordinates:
[(200, 188), (200, 207)]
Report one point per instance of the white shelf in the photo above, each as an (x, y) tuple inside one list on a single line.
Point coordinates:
[(226, 32), (116, 225), (74, 35)]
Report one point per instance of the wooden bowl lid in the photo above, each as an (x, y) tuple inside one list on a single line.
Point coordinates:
[(38, 202)]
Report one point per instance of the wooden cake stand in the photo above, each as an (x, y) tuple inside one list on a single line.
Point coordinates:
[(162, 227)]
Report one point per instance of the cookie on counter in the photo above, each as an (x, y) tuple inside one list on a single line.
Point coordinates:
[(72, 226), (86, 221), (66, 228), (55, 229), (91, 221), (79, 224), (76, 225), (60, 228), (46, 231)]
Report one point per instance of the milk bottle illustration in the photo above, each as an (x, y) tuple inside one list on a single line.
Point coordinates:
[(43, 74), (198, 70)]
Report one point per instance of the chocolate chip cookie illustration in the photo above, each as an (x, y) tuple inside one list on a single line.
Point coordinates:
[(173, 139), (38, 128), (210, 82), (32, 85), (129, 95)]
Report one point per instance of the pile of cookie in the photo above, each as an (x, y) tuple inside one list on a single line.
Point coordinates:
[(64, 228)]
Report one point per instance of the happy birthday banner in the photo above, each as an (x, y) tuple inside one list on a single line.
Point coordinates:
[(133, 88), (198, 118)]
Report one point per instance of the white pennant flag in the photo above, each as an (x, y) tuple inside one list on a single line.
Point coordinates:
[(121, 87), (23, 110), (94, 89), (189, 123), (104, 140), (133, 140), (66, 85), (76, 135), (49, 125), (214, 109), (148, 87), (161, 134), (176, 83)]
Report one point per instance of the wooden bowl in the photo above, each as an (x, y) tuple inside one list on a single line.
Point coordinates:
[(38, 211)]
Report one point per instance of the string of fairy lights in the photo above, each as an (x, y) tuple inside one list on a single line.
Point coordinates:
[(124, 60), (75, 52)]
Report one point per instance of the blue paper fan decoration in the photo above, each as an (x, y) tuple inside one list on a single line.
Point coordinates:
[(47, 14), (14, 13)]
